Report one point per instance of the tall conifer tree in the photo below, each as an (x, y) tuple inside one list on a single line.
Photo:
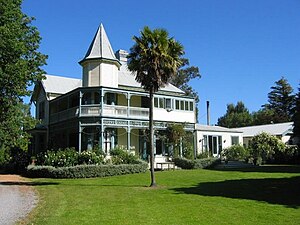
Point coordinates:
[(281, 101)]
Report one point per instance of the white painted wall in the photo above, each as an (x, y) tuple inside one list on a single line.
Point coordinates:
[(174, 116), (285, 139), (226, 138), (98, 73), (108, 75)]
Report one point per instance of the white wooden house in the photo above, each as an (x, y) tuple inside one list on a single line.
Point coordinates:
[(106, 108)]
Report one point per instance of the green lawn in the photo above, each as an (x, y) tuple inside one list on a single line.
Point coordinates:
[(268, 195)]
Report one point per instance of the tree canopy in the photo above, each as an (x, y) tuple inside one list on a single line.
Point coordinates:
[(155, 58), (281, 101), (184, 75), (236, 116), (20, 63), (280, 108)]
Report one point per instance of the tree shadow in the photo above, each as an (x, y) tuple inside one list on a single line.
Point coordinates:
[(282, 191), (25, 183), (264, 168), (104, 185)]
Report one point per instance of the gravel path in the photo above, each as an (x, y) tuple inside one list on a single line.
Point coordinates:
[(17, 199)]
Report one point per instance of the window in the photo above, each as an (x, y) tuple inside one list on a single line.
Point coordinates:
[(186, 106), (156, 102), (191, 106), (235, 140), (220, 143), (161, 103), (205, 141), (168, 103), (181, 105), (177, 104), (41, 110)]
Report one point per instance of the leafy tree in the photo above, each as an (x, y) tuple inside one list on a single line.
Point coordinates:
[(264, 116), (175, 134), (184, 75), (155, 58), (20, 64), (281, 100), (296, 118), (236, 116)]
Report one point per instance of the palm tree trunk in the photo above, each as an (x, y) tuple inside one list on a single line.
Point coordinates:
[(153, 182)]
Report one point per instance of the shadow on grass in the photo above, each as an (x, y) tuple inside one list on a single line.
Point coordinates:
[(103, 185), (23, 183), (264, 168), (283, 191)]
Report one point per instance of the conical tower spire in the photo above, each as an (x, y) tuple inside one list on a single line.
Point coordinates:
[(100, 65), (100, 48)]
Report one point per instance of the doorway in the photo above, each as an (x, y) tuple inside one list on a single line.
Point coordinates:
[(214, 145)]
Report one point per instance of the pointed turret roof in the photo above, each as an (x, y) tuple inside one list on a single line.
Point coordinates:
[(100, 48)]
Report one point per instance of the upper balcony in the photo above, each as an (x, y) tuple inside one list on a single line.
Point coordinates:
[(114, 111), (126, 105)]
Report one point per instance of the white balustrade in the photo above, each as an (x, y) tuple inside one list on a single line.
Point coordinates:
[(95, 110), (90, 110)]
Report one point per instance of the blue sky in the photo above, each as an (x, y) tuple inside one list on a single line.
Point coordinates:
[(241, 47)]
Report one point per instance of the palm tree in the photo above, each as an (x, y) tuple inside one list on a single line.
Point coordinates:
[(154, 58)]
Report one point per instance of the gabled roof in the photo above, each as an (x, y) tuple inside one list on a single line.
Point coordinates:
[(60, 85), (100, 48), (201, 127), (279, 129)]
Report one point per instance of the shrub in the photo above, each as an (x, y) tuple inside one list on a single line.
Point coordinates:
[(19, 160), (203, 155), (184, 163), (197, 163), (188, 152), (60, 158), (86, 171), (68, 157), (235, 152), (290, 154), (121, 156), (265, 146), (90, 157)]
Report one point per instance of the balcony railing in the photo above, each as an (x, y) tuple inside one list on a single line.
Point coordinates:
[(118, 111), (114, 111), (90, 110)]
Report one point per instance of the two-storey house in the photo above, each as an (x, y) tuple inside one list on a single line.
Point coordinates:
[(106, 108)]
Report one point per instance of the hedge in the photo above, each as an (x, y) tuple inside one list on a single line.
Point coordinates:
[(85, 171), (197, 163)]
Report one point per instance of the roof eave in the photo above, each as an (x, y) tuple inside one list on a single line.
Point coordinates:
[(114, 61)]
